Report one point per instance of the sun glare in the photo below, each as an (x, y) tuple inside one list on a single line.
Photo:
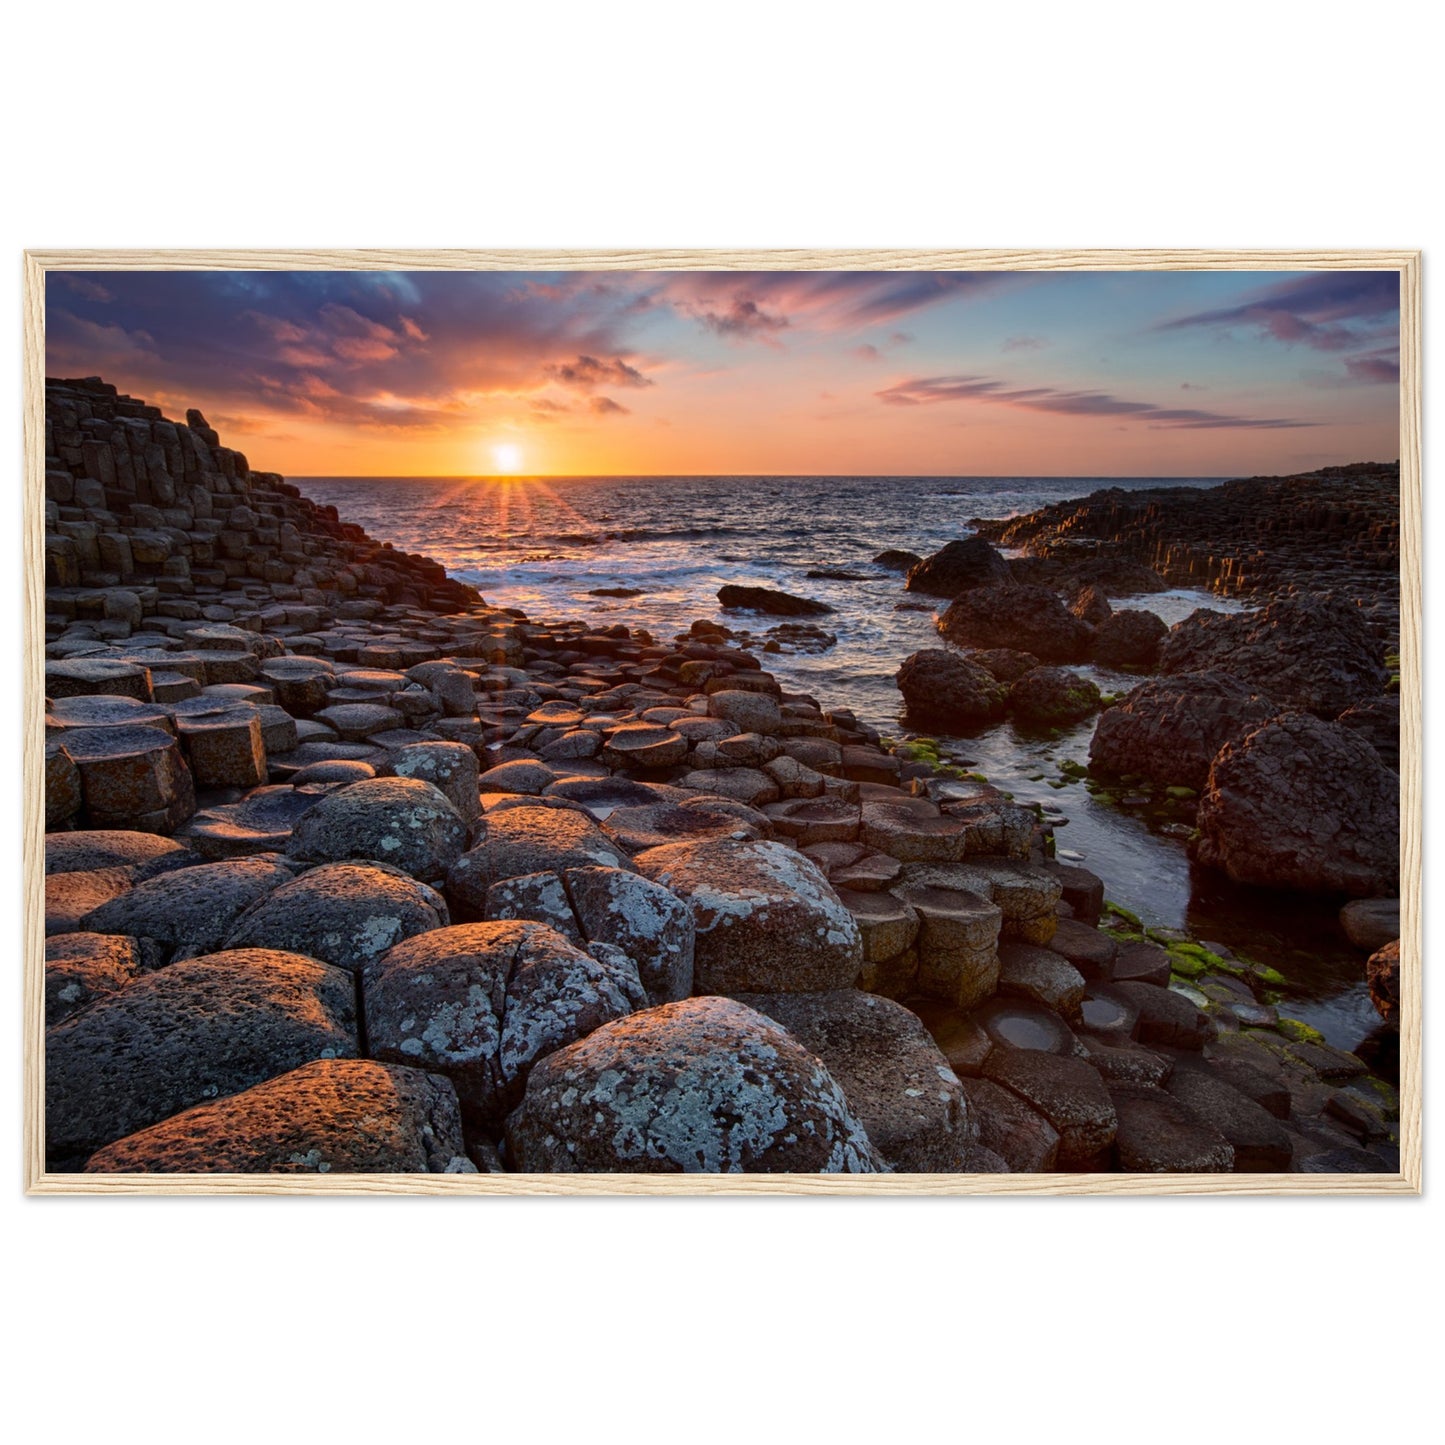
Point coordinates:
[(507, 458)]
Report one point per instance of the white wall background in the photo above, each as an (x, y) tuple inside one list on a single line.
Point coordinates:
[(1055, 124)]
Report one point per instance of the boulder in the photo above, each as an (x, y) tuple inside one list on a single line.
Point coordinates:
[(534, 898), (941, 687), (769, 600), (648, 922), (894, 559), (141, 855), (704, 1085), (1378, 722), (1382, 973), (1092, 606), (525, 840), (1021, 618), (1169, 730), (1051, 697), (1371, 923), (1312, 652), (766, 919), (1302, 804), (482, 1002), (191, 910), (405, 822), (897, 1082), (958, 567), (332, 1116), (346, 914), (451, 768), (1040, 976), (197, 1030), (1129, 639), (637, 829), (262, 822), (82, 967), (1003, 664)]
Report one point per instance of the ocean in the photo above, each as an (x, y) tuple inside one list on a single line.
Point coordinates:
[(553, 547)]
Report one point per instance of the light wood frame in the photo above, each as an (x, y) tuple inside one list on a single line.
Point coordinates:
[(1405, 262)]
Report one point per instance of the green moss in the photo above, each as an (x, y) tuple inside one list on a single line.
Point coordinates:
[(1179, 792), (1267, 975), (1117, 910), (1298, 1032), (975, 778)]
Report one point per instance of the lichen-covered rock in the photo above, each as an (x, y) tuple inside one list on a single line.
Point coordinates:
[(704, 1085), (1024, 618), (450, 767), (767, 919), (483, 1002), (637, 829), (346, 914), (959, 566), (82, 967), (190, 911), (942, 687), (405, 822), (1303, 804), (896, 1081), (535, 898), (197, 1030), (1169, 730), (1052, 697), (648, 922), (524, 840), (333, 1116), (1311, 652)]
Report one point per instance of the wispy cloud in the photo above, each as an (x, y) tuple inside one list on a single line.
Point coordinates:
[(605, 406), (1024, 343), (1327, 310), (925, 391), (587, 372)]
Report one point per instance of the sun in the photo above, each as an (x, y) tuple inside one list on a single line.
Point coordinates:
[(507, 458)]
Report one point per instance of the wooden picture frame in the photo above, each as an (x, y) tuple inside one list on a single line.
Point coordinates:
[(1405, 263)]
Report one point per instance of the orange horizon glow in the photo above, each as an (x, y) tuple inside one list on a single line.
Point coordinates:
[(474, 375)]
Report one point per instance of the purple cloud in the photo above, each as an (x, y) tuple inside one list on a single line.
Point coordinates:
[(587, 372), (1324, 310), (1024, 343), (605, 406), (927, 390)]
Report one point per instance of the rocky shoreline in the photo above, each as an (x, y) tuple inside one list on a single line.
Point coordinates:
[(348, 871)]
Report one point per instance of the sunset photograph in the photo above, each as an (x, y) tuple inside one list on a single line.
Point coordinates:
[(933, 722)]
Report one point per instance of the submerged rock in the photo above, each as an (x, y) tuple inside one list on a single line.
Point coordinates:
[(769, 599), (705, 1085)]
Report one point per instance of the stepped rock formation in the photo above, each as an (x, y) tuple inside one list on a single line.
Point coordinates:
[(447, 889)]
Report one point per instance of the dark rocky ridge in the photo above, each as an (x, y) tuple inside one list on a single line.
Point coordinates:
[(1337, 529)]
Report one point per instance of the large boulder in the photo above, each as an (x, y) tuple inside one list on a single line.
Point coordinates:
[(648, 922), (345, 914), (766, 917), (1129, 639), (142, 854), (449, 767), (194, 1031), (1021, 618), (1170, 729), (333, 1116), (191, 910), (1303, 804), (704, 1085), (1378, 722), (482, 1002), (1316, 653), (959, 567), (941, 687), (405, 822), (893, 1075)]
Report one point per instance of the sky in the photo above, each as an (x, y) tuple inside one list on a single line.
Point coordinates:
[(574, 373)]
